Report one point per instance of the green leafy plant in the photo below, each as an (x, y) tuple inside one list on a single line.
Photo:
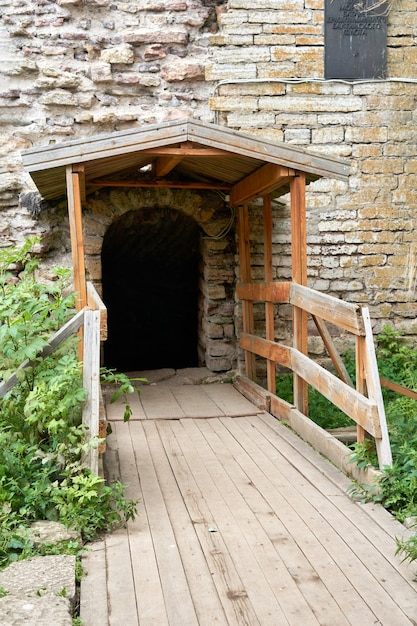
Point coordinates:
[(43, 442)]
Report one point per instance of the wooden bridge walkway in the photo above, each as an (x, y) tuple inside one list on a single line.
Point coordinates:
[(239, 523)]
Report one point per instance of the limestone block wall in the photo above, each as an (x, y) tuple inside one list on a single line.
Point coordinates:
[(74, 68), (267, 61)]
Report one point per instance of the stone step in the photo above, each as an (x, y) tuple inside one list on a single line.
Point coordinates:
[(39, 592)]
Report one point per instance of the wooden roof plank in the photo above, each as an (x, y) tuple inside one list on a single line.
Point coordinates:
[(234, 154)]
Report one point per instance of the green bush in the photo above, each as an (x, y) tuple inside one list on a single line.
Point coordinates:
[(42, 439)]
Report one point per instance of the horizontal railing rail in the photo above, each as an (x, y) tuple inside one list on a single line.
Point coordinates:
[(92, 321), (364, 405)]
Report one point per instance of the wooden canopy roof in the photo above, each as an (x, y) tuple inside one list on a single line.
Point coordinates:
[(186, 153)]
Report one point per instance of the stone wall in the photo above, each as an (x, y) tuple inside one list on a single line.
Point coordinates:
[(74, 68), (267, 59)]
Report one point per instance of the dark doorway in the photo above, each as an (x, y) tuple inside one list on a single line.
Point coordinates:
[(150, 287)]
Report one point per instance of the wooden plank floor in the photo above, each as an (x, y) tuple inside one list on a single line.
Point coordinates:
[(240, 523)]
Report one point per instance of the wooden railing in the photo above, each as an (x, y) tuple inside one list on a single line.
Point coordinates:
[(92, 323), (364, 404)]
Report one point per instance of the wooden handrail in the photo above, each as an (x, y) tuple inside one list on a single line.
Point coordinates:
[(91, 321), (71, 327), (95, 303), (364, 405)]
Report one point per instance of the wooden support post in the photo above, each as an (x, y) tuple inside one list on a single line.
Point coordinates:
[(269, 306), (74, 186), (383, 446), (246, 277), (299, 276), (91, 381), (76, 232), (360, 380)]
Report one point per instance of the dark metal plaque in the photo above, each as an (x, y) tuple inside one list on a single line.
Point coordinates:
[(355, 40)]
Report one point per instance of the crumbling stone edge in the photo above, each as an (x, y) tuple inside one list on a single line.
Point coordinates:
[(41, 590)]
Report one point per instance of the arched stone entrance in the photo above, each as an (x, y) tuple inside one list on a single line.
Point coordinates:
[(150, 264), (166, 277)]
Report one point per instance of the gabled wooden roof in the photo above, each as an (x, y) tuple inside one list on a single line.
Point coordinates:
[(186, 153)]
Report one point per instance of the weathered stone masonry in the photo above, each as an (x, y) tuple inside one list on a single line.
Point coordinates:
[(72, 69), (267, 59)]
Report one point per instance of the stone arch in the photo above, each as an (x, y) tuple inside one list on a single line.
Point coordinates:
[(202, 215)]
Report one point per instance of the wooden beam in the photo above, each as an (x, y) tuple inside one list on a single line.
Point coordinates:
[(299, 276), (76, 233), (382, 442), (246, 275), (362, 410), (188, 152), (261, 182), (404, 391), (269, 306), (264, 292), (96, 303), (91, 382), (79, 168), (333, 353), (343, 314), (267, 349), (165, 164), (71, 327), (163, 184), (361, 380)]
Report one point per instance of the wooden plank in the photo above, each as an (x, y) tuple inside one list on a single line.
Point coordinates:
[(120, 587), (246, 276), (71, 327), (342, 314), (404, 391), (208, 606), (269, 306), (323, 442), (148, 595), (253, 392), (332, 351), (94, 612), (253, 591), (369, 572), (163, 184), (76, 233), (177, 599), (360, 348), (280, 153), (230, 588), (299, 276), (187, 149), (229, 400), (285, 522), (383, 446), (362, 410), (164, 164), (91, 382), (268, 349), (159, 402), (264, 292), (105, 145), (79, 168), (261, 182), (248, 506), (95, 302), (195, 402)]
